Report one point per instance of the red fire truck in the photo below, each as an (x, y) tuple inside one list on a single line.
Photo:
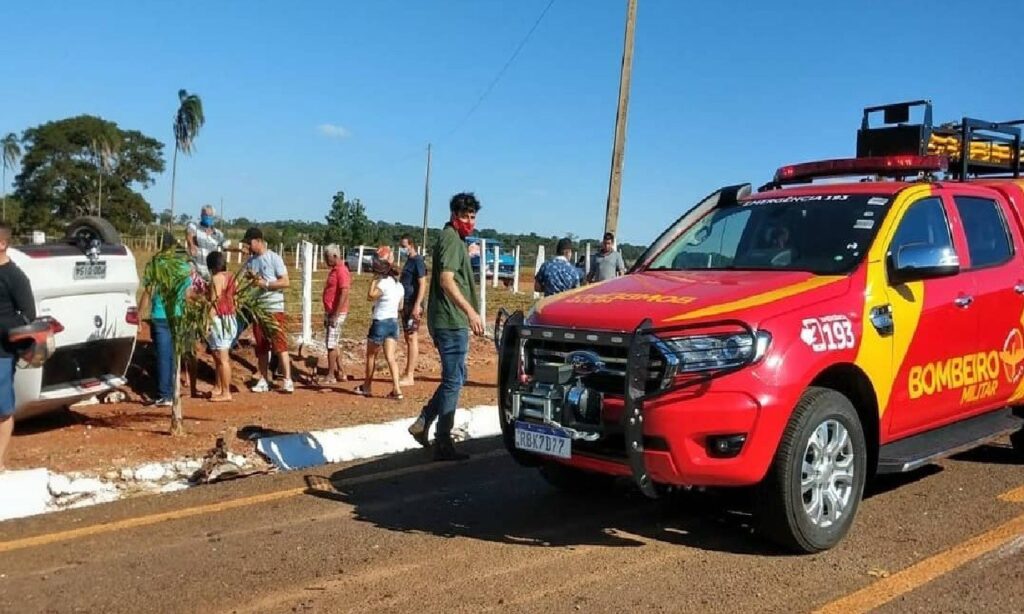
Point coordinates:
[(801, 338)]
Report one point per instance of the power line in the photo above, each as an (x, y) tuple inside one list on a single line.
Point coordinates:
[(476, 105), (501, 73)]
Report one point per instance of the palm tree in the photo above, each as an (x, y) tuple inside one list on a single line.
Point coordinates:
[(11, 155), (187, 123), (166, 274)]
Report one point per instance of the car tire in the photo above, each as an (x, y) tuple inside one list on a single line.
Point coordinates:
[(810, 496), (89, 227), (575, 481)]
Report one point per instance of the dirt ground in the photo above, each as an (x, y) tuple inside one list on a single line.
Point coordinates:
[(104, 437)]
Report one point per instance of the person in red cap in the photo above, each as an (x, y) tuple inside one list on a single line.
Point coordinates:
[(17, 306)]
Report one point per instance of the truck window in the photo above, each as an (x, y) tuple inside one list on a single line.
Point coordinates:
[(987, 240), (924, 223), (826, 234)]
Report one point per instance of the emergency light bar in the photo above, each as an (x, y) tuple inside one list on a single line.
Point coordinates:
[(889, 166)]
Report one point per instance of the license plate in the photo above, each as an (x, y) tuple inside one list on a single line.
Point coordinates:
[(543, 439), (90, 270)]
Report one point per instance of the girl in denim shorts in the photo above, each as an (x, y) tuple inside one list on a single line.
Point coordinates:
[(387, 294)]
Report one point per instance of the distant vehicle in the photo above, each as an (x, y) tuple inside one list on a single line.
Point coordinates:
[(84, 287), (506, 261), (352, 258)]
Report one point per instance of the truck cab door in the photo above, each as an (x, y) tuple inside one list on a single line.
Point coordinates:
[(991, 232), (928, 385)]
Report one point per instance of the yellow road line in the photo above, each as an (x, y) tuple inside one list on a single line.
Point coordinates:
[(316, 483), (885, 590), (1014, 496), (142, 521)]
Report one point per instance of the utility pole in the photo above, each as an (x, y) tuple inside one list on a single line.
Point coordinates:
[(611, 217), (426, 202)]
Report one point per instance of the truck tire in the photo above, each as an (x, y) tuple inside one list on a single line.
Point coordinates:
[(810, 496), (88, 227), (575, 481)]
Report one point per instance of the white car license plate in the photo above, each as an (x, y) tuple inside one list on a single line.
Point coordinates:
[(90, 270), (543, 439)]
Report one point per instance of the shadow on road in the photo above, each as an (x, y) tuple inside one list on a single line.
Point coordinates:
[(491, 498), (998, 454)]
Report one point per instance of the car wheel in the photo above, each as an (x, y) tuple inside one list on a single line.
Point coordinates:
[(575, 481), (811, 493), (83, 230)]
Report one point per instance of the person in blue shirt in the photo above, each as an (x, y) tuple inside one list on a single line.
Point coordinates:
[(160, 329), (558, 275)]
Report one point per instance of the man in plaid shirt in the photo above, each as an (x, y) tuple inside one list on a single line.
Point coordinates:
[(558, 275)]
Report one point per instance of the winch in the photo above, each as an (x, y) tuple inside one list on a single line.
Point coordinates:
[(558, 395)]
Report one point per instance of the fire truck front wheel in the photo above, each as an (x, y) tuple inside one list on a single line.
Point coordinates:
[(575, 481), (812, 491)]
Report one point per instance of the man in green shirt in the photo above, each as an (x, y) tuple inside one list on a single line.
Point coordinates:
[(451, 316)]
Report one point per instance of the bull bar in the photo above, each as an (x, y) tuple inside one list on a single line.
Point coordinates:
[(640, 342)]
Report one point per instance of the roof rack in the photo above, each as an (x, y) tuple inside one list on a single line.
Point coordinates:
[(976, 146), (898, 148)]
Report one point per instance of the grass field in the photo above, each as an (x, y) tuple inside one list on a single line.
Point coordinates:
[(359, 307)]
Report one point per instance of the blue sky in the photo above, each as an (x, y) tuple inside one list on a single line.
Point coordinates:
[(306, 98)]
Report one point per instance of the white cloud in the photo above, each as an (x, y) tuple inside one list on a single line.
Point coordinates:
[(333, 131)]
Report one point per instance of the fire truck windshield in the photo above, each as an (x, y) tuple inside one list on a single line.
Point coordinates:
[(826, 234)]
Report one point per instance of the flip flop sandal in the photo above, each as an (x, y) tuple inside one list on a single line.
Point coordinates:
[(397, 397), (362, 391)]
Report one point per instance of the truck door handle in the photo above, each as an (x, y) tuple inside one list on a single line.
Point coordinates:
[(963, 301), (1019, 287)]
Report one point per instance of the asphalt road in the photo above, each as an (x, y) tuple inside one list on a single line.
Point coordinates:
[(403, 535)]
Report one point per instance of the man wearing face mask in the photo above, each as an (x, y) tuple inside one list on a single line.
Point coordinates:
[(451, 316), (203, 239)]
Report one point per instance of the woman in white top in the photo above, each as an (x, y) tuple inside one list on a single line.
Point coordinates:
[(387, 294)]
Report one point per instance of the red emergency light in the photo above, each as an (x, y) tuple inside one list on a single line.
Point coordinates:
[(877, 165)]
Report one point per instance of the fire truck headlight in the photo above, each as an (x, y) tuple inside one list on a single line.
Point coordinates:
[(711, 352)]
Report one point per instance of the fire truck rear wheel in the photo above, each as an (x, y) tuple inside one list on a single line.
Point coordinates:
[(811, 493), (575, 481)]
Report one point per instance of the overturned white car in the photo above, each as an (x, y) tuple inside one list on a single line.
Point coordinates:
[(85, 288)]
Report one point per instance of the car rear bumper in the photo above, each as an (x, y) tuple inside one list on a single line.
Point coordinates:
[(53, 398)]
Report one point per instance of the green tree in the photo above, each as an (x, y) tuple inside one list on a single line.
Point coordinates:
[(11, 154), (61, 170), (166, 274), (347, 223), (187, 123)]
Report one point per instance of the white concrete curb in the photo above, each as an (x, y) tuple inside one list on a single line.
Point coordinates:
[(301, 450), (38, 491)]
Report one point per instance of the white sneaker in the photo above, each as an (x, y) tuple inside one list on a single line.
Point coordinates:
[(261, 386), (287, 386)]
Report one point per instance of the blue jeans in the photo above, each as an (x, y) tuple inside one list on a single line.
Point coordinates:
[(164, 359), (453, 346), (6, 386)]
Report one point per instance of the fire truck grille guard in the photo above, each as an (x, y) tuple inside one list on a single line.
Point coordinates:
[(583, 366), (686, 365)]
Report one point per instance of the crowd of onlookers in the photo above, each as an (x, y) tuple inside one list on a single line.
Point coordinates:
[(397, 296), (403, 299)]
